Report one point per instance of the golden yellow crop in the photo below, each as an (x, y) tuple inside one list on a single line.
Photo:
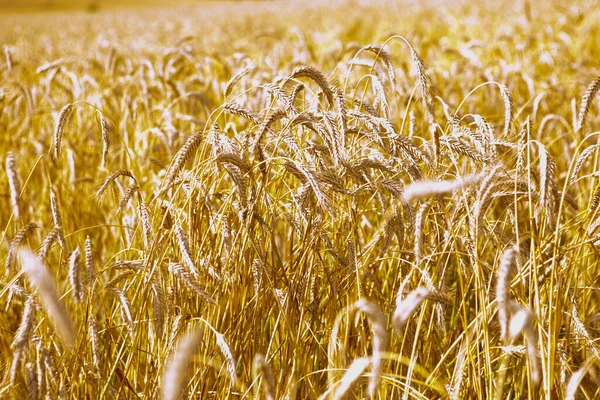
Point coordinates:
[(281, 200)]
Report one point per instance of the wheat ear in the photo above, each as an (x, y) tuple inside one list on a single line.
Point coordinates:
[(378, 325), (423, 189), (180, 365), (586, 102), (75, 275), (63, 117), (190, 145), (508, 263), (13, 183), (105, 139), (42, 280), (355, 371), (260, 367)]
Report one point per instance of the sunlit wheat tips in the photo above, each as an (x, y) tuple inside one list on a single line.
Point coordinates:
[(46, 288), (126, 312)]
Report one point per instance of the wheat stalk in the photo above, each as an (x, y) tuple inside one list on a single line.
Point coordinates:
[(146, 223), (8, 58), (226, 351), (508, 108), (41, 370), (240, 110), (265, 126), (419, 224), (184, 248), (32, 382), (384, 55), (424, 81), (575, 381), (129, 193)]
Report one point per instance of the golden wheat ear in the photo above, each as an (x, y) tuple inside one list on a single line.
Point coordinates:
[(61, 122), (46, 288), (13, 183), (263, 370), (180, 363), (586, 102)]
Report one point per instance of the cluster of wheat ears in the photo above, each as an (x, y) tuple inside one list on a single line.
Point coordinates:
[(189, 224)]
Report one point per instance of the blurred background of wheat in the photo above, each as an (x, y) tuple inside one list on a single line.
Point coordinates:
[(300, 200)]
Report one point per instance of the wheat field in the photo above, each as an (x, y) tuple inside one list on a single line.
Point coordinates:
[(290, 200)]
